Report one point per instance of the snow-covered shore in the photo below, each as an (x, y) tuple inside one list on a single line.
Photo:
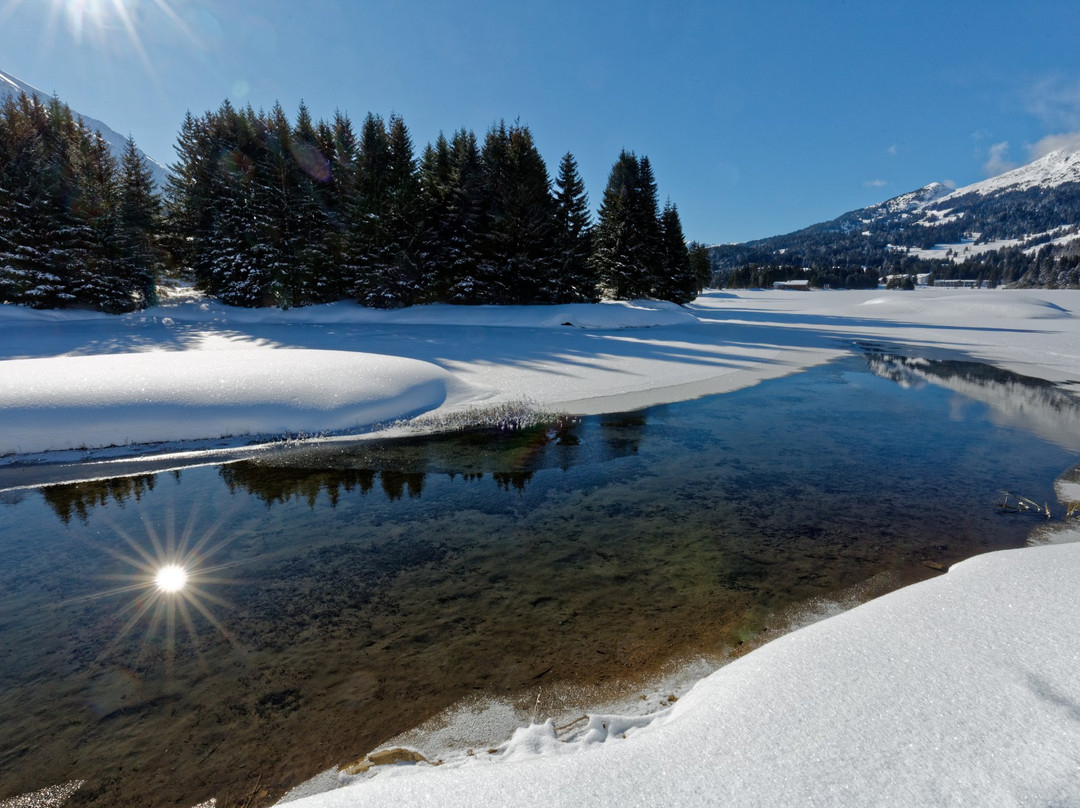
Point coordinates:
[(959, 690), (193, 369)]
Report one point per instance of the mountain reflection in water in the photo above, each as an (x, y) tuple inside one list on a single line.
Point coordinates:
[(1019, 401)]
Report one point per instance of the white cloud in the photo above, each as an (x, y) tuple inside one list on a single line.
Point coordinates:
[(1055, 100), (997, 161), (875, 183), (1068, 142), (893, 150)]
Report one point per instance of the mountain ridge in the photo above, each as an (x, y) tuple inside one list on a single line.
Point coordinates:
[(1022, 226)]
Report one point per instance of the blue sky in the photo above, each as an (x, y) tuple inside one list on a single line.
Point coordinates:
[(759, 117)]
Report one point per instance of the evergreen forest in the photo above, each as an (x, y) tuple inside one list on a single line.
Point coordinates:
[(262, 210), (77, 228)]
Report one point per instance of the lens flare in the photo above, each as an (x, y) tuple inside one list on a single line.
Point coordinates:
[(171, 578)]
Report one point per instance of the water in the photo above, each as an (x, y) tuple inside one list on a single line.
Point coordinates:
[(339, 595)]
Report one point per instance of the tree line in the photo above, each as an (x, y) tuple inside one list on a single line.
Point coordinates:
[(77, 227), (261, 210)]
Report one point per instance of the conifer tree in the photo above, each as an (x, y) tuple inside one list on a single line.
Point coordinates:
[(401, 209), (341, 200), (456, 213), (306, 259), (245, 239), (573, 280), (700, 265), (93, 241), (187, 205), (368, 246), (436, 219), (138, 218), (383, 215), (60, 196), (26, 207), (622, 272), (648, 228), (675, 280), (518, 242)]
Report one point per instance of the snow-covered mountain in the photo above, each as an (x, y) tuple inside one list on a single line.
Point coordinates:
[(10, 85), (1050, 171), (1008, 218)]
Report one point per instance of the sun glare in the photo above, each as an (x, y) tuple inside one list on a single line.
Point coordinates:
[(171, 578), (115, 27)]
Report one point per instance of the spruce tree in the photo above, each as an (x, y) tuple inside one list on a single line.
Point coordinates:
[(342, 150), (26, 207), (617, 255), (368, 246), (700, 265), (98, 281), (306, 258), (675, 280), (187, 203), (460, 218), (573, 280), (518, 243), (401, 210), (383, 215), (436, 219), (648, 227), (138, 218)]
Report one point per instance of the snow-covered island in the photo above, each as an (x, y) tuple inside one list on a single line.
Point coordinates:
[(960, 690)]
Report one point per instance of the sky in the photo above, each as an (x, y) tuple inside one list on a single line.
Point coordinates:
[(758, 118)]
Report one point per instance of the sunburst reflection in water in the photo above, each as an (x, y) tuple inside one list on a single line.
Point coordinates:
[(169, 578)]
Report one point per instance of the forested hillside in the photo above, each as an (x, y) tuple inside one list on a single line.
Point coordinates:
[(1021, 228)]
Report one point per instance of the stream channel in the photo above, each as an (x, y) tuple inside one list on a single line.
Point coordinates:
[(339, 594)]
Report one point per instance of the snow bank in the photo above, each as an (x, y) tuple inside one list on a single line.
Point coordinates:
[(957, 691), (577, 358), (76, 401), (185, 306), (976, 307)]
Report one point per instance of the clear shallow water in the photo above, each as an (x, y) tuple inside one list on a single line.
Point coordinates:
[(341, 595)]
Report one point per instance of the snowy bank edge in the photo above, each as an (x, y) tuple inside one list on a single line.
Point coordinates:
[(84, 402), (928, 695)]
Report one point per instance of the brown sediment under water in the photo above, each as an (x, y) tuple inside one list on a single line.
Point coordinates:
[(338, 595)]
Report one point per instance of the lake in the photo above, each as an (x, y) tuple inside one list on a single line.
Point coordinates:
[(338, 594)]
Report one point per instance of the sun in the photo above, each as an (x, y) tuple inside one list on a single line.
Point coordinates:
[(114, 28), (94, 18), (171, 578)]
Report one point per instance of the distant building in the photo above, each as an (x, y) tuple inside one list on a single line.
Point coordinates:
[(802, 286), (956, 283)]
